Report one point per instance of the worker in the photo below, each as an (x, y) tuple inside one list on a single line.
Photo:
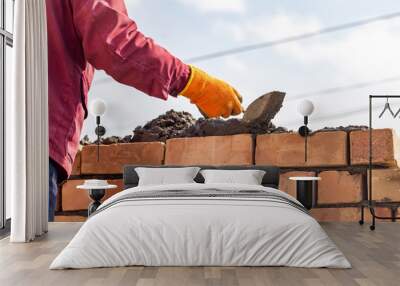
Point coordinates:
[(94, 34)]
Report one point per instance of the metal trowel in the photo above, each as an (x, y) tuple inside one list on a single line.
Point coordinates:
[(263, 109)]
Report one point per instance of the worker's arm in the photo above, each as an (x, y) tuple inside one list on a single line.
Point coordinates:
[(112, 42)]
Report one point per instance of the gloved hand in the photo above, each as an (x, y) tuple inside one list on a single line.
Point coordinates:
[(212, 96)]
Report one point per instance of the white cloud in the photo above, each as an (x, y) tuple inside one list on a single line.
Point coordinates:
[(231, 6), (269, 28), (343, 58), (234, 64), (361, 53), (132, 4), (357, 55)]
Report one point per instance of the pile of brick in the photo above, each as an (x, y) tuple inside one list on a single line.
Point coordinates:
[(338, 157)]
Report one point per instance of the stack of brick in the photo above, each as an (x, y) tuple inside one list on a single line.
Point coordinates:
[(338, 157), (109, 165)]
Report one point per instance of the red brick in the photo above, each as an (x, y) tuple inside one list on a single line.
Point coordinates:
[(336, 214), (287, 149), (74, 199), (58, 201), (212, 150), (69, 218), (114, 157), (339, 187), (381, 212), (76, 167), (284, 150), (385, 147), (347, 214), (328, 149), (289, 186), (386, 185)]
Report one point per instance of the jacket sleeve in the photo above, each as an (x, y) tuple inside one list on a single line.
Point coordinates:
[(111, 42)]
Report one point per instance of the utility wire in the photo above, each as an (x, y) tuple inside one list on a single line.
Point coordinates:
[(377, 107), (330, 90), (284, 40), (343, 88), (339, 115), (289, 39)]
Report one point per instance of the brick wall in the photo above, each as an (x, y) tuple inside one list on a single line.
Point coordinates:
[(385, 147), (338, 157), (112, 158), (212, 150), (325, 149)]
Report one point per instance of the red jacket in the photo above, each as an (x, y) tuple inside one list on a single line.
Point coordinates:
[(88, 34)]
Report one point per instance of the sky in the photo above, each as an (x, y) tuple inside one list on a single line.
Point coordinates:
[(190, 28)]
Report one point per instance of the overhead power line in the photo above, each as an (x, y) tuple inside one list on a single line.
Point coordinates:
[(377, 107), (284, 40), (342, 114), (294, 38), (343, 88)]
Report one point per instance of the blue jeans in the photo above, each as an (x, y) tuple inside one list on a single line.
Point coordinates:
[(53, 188)]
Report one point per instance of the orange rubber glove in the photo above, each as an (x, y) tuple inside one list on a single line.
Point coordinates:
[(213, 97)]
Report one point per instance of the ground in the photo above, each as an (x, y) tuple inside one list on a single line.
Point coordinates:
[(375, 257)]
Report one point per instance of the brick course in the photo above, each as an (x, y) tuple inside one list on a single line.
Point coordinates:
[(287, 149), (69, 218), (336, 214), (289, 186), (212, 150), (386, 185), (76, 167), (114, 157), (339, 187), (75, 200), (385, 147), (326, 149), (382, 212)]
